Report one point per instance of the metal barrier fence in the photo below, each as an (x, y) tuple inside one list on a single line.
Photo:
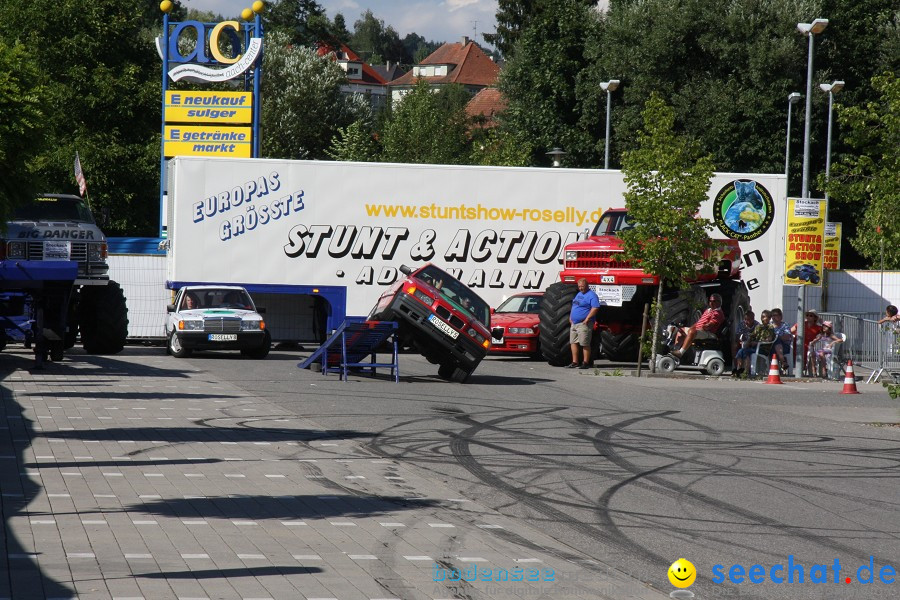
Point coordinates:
[(873, 347)]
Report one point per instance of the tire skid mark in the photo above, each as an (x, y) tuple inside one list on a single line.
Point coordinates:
[(603, 440)]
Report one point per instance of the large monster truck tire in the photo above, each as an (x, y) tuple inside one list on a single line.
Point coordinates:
[(618, 347), (556, 306), (72, 331), (684, 308), (103, 318)]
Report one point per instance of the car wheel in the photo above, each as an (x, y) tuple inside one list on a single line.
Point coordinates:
[(175, 347), (261, 352), (792, 274), (445, 371), (715, 367), (814, 279)]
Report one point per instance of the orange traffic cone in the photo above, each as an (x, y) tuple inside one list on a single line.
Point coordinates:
[(849, 380), (774, 376)]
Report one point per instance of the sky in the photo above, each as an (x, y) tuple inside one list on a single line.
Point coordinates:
[(438, 20)]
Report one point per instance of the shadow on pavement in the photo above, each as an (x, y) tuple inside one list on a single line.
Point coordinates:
[(279, 507), (222, 573), (210, 434), (23, 576)]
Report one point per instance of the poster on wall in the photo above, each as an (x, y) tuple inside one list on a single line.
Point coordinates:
[(832, 246), (804, 241)]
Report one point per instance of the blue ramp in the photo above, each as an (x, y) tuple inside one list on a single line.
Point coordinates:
[(352, 344)]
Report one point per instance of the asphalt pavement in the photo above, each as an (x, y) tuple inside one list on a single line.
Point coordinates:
[(144, 476)]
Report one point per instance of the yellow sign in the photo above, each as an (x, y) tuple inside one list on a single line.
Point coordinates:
[(804, 242), (832, 246), (187, 140), (209, 107)]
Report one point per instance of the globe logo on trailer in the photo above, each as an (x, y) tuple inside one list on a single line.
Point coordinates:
[(743, 210)]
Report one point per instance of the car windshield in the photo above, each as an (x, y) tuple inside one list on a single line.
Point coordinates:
[(612, 223), (521, 304), (216, 298), (54, 209), (460, 296)]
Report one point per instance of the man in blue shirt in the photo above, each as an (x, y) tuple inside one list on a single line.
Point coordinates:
[(585, 307)]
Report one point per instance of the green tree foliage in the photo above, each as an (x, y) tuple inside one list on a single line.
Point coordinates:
[(303, 21), (304, 105), (540, 82), (354, 143), (667, 179), (427, 127), (501, 148), (867, 180), (417, 48), (514, 17), (22, 125), (102, 87), (340, 31), (376, 43)]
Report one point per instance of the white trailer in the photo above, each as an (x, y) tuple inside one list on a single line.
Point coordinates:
[(320, 240)]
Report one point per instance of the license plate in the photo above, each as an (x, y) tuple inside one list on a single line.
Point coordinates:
[(57, 250), (444, 327), (223, 337)]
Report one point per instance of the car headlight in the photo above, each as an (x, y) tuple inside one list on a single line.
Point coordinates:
[(521, 330), (16, 250), (420, 295), (190, 325), (480, 338), (96, 252), (571, 255), (252, 325)]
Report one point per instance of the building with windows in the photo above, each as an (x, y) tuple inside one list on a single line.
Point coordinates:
[(362, 78), (461, 62)]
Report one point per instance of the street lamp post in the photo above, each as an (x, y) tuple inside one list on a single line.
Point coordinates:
[(809, 30), (793, 98), (609, 87), (831, 89)]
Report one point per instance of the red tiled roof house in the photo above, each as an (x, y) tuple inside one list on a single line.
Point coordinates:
[(463, 63)]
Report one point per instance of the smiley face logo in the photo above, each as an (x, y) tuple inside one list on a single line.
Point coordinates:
[(682, 573)]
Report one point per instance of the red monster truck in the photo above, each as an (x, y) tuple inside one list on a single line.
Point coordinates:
[(624, 289)]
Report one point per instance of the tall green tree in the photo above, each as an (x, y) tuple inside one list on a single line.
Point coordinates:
[(304, 106), (541, 83), (376, 43), (427, 127), (303, 21), (23, 116), (102, 90), (514, 17), (667, 178), (866, 180)]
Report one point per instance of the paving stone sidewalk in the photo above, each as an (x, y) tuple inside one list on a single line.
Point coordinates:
[(128, 477)]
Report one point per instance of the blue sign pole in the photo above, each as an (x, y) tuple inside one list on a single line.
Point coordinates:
[(162, 140), (257, 76)]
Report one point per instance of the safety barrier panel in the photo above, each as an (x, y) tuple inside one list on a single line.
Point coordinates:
[(873, 347)]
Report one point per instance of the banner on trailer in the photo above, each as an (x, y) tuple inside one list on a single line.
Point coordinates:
[(500, 230), (832, 246), (804, 241)]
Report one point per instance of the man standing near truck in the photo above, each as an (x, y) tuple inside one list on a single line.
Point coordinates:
[(585, 307)]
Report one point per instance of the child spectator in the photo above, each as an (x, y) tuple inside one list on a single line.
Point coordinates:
[(742, 339), (823, 350), (763, 333)]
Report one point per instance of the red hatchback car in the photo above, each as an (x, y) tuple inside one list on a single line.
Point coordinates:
[(515, 325)]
